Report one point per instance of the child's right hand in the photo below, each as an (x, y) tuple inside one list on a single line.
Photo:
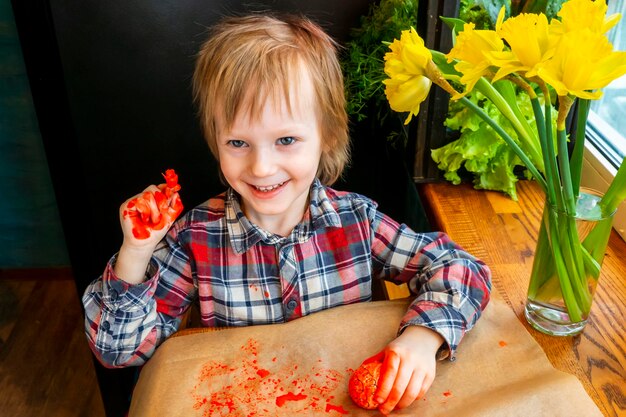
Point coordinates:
[(143, 223), (145, 219)]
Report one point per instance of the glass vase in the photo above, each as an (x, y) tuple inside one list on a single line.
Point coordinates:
[(566, 267)]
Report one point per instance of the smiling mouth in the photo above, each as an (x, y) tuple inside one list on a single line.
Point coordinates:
[(267, 189)]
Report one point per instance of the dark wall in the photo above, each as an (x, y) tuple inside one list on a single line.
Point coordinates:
[(31, 234), (111, 82)]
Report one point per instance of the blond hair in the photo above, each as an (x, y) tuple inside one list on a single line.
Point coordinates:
[(248, 58)]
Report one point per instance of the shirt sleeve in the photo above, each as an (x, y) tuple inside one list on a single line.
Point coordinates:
[(452, 286), (125, 323)]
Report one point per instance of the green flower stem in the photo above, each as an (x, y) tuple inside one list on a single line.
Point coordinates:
[(496, 98), (574, 263), (566, 177), (616, 193), (573, 249), (509, 141), (549, 167), (557, 278), (549, 150), (562, 271), (594, 245), (542, 265), (589, 259), (551, 156), (507, 91), (576, 159)]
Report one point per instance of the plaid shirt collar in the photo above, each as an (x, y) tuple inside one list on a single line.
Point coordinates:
[(244, 234)]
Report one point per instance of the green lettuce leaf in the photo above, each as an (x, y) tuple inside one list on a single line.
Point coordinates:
[(479, 149)]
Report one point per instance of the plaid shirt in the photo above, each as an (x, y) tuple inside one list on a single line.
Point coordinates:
[(243, 275)]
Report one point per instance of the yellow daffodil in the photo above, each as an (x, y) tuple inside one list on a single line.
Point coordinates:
[(528, 35), (471, 49), (584, 14), (406, 65), (570, 55), (583, 61)]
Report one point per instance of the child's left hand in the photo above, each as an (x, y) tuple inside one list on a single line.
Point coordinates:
[(408, 369)]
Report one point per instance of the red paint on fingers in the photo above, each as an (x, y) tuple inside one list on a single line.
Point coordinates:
[(153, 210), (171, 181)]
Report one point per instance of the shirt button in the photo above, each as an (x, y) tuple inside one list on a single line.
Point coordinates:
[(105, 326), (113, 295), (292, 304)]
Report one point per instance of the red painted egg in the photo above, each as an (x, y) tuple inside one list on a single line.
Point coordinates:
[(363, 384)]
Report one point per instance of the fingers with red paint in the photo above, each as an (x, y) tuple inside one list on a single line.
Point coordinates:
[(172, 206), (408, 368), (153, 209), (140, 215), (146, 219), (171, 182)]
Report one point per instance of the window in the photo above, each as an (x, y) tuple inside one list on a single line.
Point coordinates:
[(606, 127), (606, 121)]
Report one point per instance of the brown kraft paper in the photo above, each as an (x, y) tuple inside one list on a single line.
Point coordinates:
[(303, 367)]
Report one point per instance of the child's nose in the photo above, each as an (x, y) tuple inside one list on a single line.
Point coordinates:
[(263, 163)]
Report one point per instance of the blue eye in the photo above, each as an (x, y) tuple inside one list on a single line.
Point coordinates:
[(235, 143), (288, 140)]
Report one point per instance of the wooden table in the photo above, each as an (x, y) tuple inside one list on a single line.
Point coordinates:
[(503, 233)]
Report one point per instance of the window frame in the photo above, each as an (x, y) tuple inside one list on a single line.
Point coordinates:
[(605, 147), (429, 129)]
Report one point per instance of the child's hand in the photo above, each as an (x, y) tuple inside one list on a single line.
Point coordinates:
[(146, 219), (143, 224), (408, 370)]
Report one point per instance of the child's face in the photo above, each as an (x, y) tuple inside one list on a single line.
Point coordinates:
[(271, 160)]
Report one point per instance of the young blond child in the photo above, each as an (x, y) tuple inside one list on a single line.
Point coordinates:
[(272, 107)]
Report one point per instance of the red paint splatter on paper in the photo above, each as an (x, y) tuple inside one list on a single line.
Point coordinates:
[(338, 408), (246, 389), (290, 396), (262, 373)]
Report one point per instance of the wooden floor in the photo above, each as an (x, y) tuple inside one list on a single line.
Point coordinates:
[(46, 367)]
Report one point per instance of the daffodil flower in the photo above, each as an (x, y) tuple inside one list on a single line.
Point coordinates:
[(471, 50), (406, 65), (571, 56), (582, 64), (528, 35), (584, 14)]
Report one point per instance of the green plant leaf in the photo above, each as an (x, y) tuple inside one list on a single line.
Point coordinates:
[(363, 58), (456, 25)]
